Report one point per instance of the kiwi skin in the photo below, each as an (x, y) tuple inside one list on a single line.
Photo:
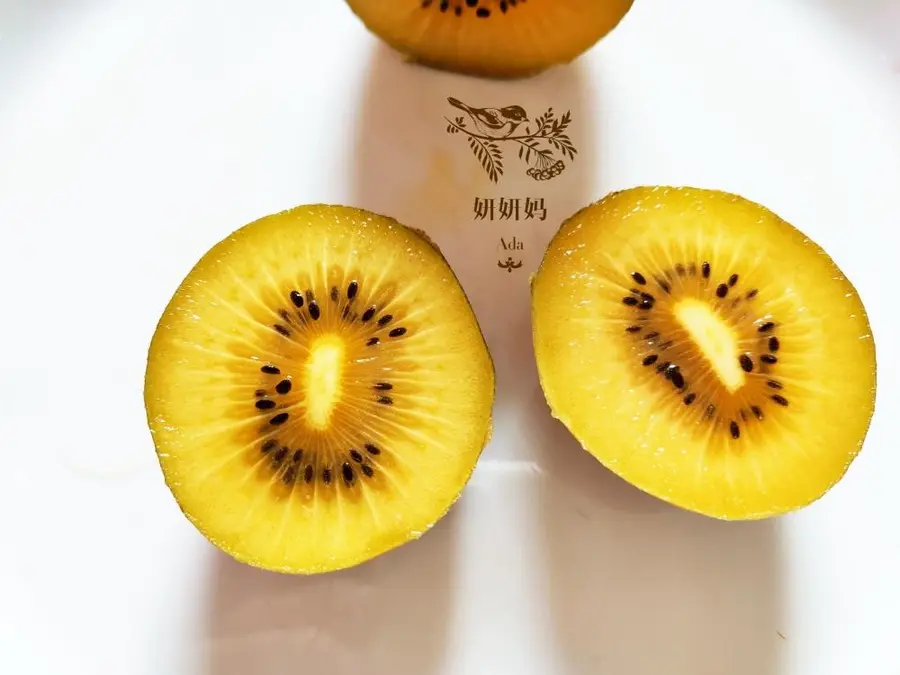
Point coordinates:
[(865, 423), (364, 555)]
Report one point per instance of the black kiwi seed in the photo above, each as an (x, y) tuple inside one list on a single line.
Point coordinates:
[(280, 418), (774, 344), (692, 269), (265, 404), (347, 472), (677, 379), (651, 336), (385, 400), (646, 304), (768, 358), (732, 280), (259, 392), (368, 314), (314, 310), (766, 327), (280, 455), (283, 330), (384, 386), (690, 398), (385, 320), (289, 476), (283, 387), (334, 293), (756, 411), (368, 470), (372, 450), (308, 473), (633, 329), (458, 10), (679, 269), (352, 290), (705, 269), (298, 455), (269, 445), (710, 411), (663, 284), (735, 430), (721, 290), (630, 301), (372, 341), (662, 367), (746, 363), (482, 13), (297, 299), (271, 370), (743, 414), (775, 384), (397, 332), (284, 314), (650, 360), (665, 345), (356, 456), (445, 5), (639, 278), (780, 400), (326, 476)]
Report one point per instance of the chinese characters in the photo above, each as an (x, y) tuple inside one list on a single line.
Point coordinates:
[(514, 208)]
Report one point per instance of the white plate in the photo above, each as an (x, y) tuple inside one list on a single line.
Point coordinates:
[(133, 135)]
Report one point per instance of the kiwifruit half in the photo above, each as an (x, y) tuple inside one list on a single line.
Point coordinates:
[(491, 38), (318, 389), (704, 350)]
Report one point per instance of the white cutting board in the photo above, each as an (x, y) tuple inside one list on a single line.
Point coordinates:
[(135, 134)]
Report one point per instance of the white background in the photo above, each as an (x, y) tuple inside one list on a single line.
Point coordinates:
[(134, 135)]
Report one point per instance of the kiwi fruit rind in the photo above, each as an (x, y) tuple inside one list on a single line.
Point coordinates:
[(705, 350), (491, 38), (318, 389)]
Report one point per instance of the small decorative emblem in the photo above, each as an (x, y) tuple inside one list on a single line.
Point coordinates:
[(509, 264)]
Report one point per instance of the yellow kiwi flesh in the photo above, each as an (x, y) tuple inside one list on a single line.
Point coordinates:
[(491, 38), (318, 389), (705, 350)]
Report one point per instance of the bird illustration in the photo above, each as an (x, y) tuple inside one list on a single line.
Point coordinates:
[(493, 122)]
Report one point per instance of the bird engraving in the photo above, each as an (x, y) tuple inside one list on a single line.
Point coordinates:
[(493, 122), (542, 142)]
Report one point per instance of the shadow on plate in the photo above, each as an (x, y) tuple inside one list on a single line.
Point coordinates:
[(390, 616), (385, 617), (409, 166), (638, 586)]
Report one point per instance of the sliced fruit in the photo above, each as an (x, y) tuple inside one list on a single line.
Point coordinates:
[(318, 389), (491, 38), (704, 350)]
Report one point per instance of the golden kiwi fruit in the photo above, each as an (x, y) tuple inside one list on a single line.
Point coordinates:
[(318, 389), (491, 38), (705, 350)]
